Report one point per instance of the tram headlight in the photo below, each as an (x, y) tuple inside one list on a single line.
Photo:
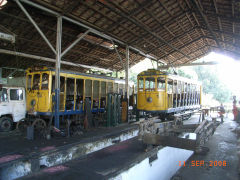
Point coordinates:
[(149, 99), (33, 102)]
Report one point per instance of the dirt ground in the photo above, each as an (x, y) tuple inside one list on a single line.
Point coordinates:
[(223, 148)]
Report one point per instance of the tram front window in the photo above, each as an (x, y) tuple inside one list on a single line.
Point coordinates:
[(29, 81), (150, 84), (45, 80), (36, 82)]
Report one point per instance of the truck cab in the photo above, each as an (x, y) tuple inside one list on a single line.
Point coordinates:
[(12, 106)]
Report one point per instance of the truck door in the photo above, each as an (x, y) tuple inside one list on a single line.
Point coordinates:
[(4, 101), (17, 103)]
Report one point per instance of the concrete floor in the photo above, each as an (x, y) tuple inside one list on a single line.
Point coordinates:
[(98, 165), (14, 143), (223, 147), (114, 159)]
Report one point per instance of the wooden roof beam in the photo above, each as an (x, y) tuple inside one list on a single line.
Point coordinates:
[(192, 52), (165, 24), (145, 4), (179, 36), (143, 26), (185, 45), (129, 30), (163, 5), (195, 18), (219, 20), (197, 6), (233, 23)]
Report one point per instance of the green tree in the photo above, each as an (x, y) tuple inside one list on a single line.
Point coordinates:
[(212, 84)]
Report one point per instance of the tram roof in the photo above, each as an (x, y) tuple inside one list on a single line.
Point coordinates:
[(154, 72)]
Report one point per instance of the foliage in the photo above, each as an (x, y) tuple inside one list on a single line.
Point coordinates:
[(212, 84)]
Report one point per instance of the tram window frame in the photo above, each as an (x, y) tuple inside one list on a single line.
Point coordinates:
[(96, 89), (161, 81), (36, 83), (170, 86), (140, 82), (45, 82), (150, 83), (109, 87), (62, 84), (190, 88), (179, 87), (174, 87), (185, 87), (29, 81), (88, 89), (103, 87), (182, 90)]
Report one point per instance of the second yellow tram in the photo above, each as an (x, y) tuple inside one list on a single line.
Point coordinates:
[(162, 93)]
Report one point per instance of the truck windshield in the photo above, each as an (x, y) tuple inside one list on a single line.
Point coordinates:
[(3, 95)]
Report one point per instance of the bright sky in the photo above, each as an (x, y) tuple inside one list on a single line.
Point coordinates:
[(228, 69), (142, 66)]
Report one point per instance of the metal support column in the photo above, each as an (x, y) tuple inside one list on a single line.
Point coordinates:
[(127, 74), (57, 70), (114, 46), (127, 80)]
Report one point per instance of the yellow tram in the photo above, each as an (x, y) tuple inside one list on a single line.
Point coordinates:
[(162, 93), (74, 89)]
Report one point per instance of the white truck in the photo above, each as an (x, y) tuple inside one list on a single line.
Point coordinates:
[(12, 106)]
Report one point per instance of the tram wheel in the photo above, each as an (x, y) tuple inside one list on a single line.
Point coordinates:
[(5, 124), (39, 124), (22, 125)]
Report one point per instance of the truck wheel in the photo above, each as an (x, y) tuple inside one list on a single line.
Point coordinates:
[(5, 124)]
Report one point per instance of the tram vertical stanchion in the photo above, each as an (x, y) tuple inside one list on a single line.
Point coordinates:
[(57, 70)]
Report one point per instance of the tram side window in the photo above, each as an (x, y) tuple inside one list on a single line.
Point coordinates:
[(179, 87), (186, 87), (115, 88), (36, 82), (29, 81), (140, 84), (175, 88), (62, 84), (150, 84), (170, 85), (161, 83), (45, 80), (182, 87), (109, 87)]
